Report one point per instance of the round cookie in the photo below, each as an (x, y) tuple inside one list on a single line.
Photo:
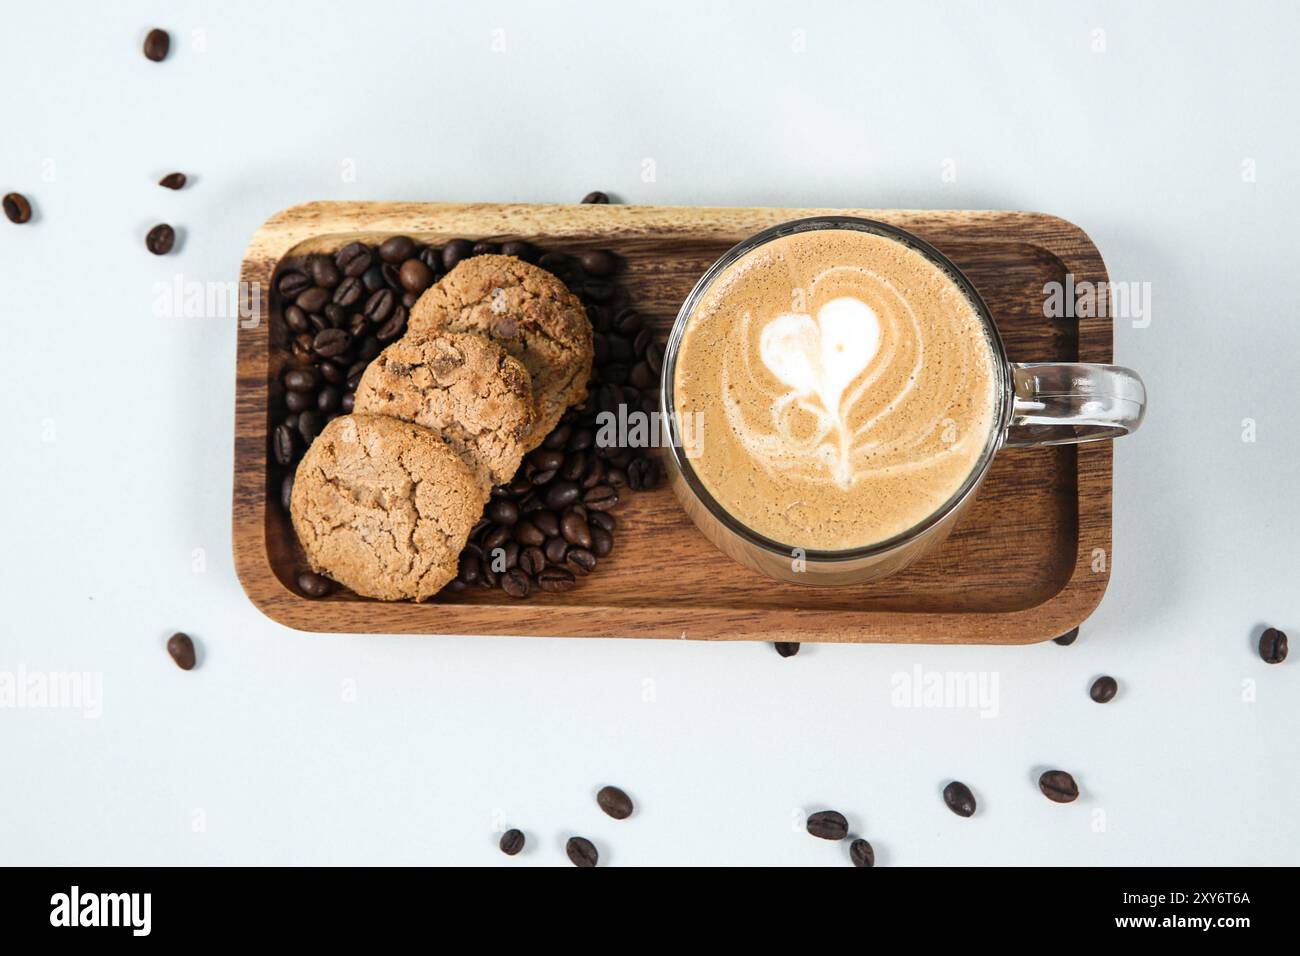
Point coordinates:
[(462, 385), (531, 313), (384, 507)]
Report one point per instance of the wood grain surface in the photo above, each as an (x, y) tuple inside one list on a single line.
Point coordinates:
[(1018, 569)]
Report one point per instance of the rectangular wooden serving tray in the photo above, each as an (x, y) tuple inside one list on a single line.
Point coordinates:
[(1029, 561)]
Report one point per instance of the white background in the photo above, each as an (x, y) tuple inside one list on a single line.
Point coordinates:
[(118, 425)]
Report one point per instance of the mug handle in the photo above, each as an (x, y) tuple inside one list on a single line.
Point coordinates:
[(1066, 403)]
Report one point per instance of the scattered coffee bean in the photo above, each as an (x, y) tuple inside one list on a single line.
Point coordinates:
[(1066, 639), (595, 197), (160, 240), (1103, 689), (786, 648), (512, 841), (156, 45), (614, 802), (556, 580), (861, 853), (828, 825), (1272, 646), (1058, 786), (959, 799), (17, 208), (173, 181), (181, 648), (581, 852), (314, 585), (580, 559)]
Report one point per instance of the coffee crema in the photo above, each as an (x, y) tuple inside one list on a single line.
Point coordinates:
[(845, 385)]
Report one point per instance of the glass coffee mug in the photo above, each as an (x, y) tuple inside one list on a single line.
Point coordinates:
[(1036, 403)]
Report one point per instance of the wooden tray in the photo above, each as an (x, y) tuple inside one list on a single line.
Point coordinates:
[(1018, 569)]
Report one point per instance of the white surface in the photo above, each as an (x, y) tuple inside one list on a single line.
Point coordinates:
[(118, 434)]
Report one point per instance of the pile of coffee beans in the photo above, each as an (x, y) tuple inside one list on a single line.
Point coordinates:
[(552, 523)]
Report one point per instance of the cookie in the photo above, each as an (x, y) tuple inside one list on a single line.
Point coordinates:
[(462, 385), (384, 507), (530, 313)]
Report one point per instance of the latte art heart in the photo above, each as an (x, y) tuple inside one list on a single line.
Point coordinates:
[(823, 357)]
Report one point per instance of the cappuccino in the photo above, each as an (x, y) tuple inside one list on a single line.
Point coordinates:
[(846, 386)]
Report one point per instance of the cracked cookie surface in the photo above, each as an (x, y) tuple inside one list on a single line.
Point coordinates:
[(530, 313), (384, 507), (462, 385)]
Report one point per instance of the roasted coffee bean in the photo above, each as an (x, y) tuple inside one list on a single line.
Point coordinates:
[(828, 825), (575, 529), (516, 583), (299, 401), (593, 474), (354, 259), (296, 319), (160, 240), (181, 648), (415, 276), (293, 284), (324, 272), (485, 248), (397, 249), (616, 477), (512, 841), (861, 853), (614, 802), (642, 376), (532, 561), (393, 326), (301, 379), (346, 403), (331, 342), (603, 520), (489, 579), (349, 292), (355, 371), (581, 852), (431, 256), (309, 425), (496, 536), (314, 585), (643, 474), (454, 251), (596, 197), (528, 534), (547, 523), (555, 263), (556, 549), (503, 511), (1066, 639), (470, 568), (156, 44), (581, 440), (556, 580), (173, 181), (327, 399), (282, 442), (600, 498), (392, 276), (1103, 689), (959, 799), (598, 262), (373, 279), (357, 325), (332, 372), (300, 348), (581, 560), (574, 465), (17, 208), (654, 357), (628, 322), (313, 299), (558, 438), (286, 492), (370, 348), (602, 542), (1058, 786), (561, 494), (546, 459), (786, 648), (380, 305), (1272, 646), (524, 251)]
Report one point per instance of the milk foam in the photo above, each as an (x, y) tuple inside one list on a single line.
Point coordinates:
[(846, 385)]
